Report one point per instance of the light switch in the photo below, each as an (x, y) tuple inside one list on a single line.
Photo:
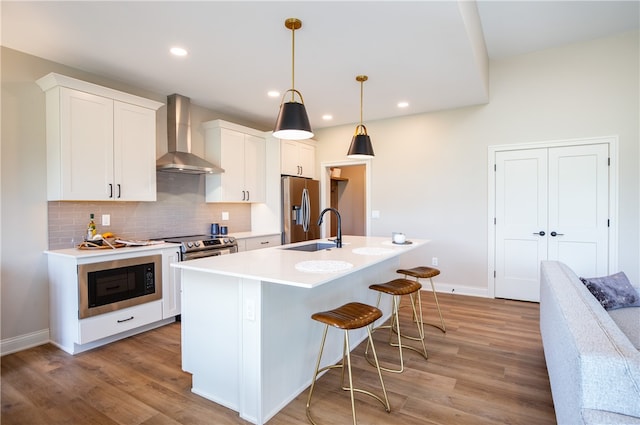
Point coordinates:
[(375, 214), (225, 215), (106, 219)]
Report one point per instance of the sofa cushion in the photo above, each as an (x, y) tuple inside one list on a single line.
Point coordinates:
[(613, 291), (628, 320)]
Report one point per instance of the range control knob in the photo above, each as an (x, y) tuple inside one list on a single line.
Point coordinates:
[(196, 244), (189, 244)]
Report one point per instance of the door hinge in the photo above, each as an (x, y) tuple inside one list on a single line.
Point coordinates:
[(494, 274), (495, 168), (608, 223), (608, 162), (494, 221)]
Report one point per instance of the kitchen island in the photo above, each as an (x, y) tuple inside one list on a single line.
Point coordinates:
[(247, 335)]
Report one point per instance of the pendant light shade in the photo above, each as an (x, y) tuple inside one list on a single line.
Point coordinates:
[(361, 147), (292, 122)]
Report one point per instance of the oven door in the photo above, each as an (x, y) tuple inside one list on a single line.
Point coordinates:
[(208, 253)]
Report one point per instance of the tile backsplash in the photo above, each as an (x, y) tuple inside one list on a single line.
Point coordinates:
[(180, 209)]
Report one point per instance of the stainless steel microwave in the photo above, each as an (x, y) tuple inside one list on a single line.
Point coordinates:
[(113, 285)]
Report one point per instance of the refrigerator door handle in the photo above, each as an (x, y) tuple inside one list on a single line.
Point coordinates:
[(305, 210)]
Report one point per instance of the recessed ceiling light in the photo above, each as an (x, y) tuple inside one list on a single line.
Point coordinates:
[(273, 93), (403, 104), (327, 117), (178, 51)]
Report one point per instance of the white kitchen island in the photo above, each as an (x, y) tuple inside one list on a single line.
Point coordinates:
[(247, 334)]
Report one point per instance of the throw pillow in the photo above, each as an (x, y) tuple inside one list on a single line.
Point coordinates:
[(613, 291)]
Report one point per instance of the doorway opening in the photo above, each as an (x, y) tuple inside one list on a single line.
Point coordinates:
[(349, 194)]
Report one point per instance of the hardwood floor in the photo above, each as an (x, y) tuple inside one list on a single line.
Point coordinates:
[(488, 368)]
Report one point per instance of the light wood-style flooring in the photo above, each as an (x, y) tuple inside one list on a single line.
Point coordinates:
[(488, 368)]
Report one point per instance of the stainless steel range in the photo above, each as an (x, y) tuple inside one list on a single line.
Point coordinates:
[(200, 246)]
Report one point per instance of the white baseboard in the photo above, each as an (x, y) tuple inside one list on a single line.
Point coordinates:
[(22, 342), (447, 288)]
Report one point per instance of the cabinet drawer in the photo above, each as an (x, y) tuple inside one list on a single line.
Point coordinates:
[(262, 242), (108, 324)]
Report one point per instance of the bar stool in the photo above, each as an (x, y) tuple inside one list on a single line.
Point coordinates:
[(398, 288), (347, 317), (423, 272)]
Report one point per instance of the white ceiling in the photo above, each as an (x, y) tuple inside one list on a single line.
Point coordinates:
[(429, 53)]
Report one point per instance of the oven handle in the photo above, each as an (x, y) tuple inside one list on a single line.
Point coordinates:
[(209, 253)]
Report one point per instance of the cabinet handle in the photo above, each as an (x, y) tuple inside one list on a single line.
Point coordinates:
[(541, 233), (556, 234), (248, 197), (110, 190), (125, 320), (301, 170), (243, 195), (264, 243), (119, 191)]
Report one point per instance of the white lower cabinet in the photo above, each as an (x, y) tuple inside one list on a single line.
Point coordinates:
[(258, 242), (109, 324), (171, 288), (74, 335)]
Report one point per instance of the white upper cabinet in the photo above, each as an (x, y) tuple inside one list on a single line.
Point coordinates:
[(101, 143), (297, 158), (241, 152)]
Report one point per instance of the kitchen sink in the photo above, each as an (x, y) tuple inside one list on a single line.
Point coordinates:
[(311, 247)]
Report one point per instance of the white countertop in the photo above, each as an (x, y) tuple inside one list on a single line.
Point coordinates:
[(248, 235), (278, 265), (92, 253)]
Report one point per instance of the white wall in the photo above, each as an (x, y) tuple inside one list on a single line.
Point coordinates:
[(429, 176), (24, 295)]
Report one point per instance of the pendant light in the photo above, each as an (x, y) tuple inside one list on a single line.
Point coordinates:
[(292, 122), (361, 143)]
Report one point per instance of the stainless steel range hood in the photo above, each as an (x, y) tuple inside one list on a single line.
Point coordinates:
[(179, 159)]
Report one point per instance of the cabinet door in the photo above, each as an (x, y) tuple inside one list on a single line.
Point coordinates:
[(134, 153), (307, 159), (254, 164), (289, 158), (86, 146), (232, 160), (171, 284)]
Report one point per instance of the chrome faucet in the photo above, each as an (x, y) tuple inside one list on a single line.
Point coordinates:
[(339, 235)]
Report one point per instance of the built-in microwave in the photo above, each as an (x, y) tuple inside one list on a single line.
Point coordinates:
[(116, 284)]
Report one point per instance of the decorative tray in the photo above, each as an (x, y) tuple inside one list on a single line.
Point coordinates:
[(100, 244)]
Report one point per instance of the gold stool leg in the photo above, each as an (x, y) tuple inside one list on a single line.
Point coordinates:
[(315, 374), (435, 296), (346, 356)]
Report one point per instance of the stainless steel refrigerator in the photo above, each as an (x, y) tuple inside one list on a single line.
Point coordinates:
[(300, 209)]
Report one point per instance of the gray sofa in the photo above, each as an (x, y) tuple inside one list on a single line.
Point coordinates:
[(594, 368)]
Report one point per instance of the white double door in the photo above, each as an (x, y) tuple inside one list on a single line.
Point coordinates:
[(550, 203)]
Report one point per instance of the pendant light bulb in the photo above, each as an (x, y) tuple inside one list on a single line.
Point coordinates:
[(292, 122), (361, 147)]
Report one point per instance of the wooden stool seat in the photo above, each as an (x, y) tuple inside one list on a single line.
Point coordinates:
[(420, 272), (398, 288), (424, 272), (350, 316)]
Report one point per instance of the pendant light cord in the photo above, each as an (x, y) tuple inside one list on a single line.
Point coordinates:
[(361, 97), (293, 60)]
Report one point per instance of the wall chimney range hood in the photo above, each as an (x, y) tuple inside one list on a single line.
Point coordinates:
[(179, 158)]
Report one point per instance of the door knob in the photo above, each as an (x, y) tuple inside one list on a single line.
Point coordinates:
[(541, 233), (556, 234)]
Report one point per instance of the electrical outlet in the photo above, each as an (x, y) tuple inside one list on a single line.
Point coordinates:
[(434, 261), (375, 214), (106, 219), (225, 215)]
